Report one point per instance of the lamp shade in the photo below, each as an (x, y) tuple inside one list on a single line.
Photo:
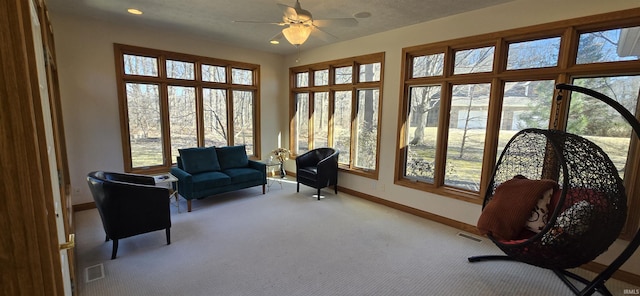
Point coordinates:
[(296, 34)]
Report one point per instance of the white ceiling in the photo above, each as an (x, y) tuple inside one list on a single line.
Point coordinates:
[(214, 19)]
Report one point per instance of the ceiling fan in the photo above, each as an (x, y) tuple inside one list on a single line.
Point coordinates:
[(300, 24)]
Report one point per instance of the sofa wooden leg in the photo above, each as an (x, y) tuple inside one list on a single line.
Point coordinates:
[(189, 205), (336, 188), (263, 186), (318, 193), (168, 233)]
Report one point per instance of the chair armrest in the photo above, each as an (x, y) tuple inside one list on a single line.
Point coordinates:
[(306, 159), (130, 178), (260, 166), (185, 181), (328, 168)]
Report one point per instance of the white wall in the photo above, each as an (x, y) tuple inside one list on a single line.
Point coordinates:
[(493, 19), (90, 104)]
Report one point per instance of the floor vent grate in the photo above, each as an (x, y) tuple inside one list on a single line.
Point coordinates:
[(94, 272), (473, 238)]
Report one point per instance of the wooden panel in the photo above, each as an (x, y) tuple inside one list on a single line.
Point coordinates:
[(27, 263)]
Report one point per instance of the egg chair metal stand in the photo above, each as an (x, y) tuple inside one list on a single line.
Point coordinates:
[(589, 211)]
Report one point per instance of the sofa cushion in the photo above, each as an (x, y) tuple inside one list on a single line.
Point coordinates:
[(241, 175), (207, 180), (199, 159), (232, 157)]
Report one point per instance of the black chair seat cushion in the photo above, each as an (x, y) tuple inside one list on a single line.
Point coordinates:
[(308, 173)]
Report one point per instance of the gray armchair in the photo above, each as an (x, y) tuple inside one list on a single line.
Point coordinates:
[(318, 168), (129, 205)]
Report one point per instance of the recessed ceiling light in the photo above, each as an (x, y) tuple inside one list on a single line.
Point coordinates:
[(134, 11), (362, 14)]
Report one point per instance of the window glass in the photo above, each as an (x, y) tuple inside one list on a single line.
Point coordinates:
[(302, 79), (367, 128), (214, 74), (533, 54), (422, 131), (526, 104), (474, 60), (243, 119), (342, 126), (180, 70), (241, 76), (428, 65), (302, 123), (601, 124), (321, 119), (467, 129), (145, 134), (214, 108), (344, 75), (139, 65), (609, 46), (182, 118), (370, 72), (321, 77)]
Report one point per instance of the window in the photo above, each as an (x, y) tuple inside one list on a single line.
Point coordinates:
[(464, 99), (167, 107), (340, 109)]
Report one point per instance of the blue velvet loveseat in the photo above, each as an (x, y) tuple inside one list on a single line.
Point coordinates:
[(205, 171)]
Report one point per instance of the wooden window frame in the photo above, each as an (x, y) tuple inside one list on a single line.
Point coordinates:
[(163, 82), (565, 71), (354, 86)]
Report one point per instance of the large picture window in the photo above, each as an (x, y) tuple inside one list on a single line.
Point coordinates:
[(464, 99), (171, 101), (337, 104)]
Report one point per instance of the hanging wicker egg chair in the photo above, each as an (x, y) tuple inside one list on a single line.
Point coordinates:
[(586, 212)]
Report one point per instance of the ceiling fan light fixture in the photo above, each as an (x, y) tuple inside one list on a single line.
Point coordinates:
[(296, 34)]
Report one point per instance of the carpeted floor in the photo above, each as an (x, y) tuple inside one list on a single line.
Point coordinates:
[(287, 243)]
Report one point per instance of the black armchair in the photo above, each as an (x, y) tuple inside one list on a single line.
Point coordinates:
[(129, 205), (318, 168)]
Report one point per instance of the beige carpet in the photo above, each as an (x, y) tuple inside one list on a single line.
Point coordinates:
[(287, 243)]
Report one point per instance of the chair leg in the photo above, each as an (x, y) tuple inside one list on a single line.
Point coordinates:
[(298, 188), (114, 251), (318, 193), (168, 233), (189, 205), (263, 186)]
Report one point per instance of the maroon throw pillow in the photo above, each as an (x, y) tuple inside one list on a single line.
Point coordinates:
[(506, 214)]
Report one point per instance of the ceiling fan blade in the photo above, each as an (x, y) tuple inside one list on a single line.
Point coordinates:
[(261, 22), (277, 37), (323, 35), (342, 22), (289, 12)]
